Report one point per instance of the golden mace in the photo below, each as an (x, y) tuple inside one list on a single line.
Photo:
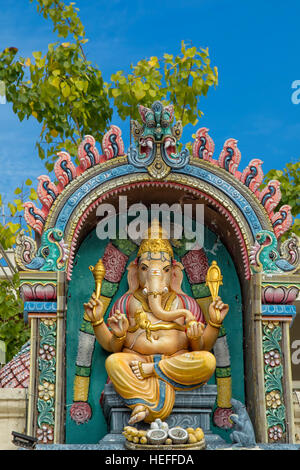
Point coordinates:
[(98, 272), (214, 281)]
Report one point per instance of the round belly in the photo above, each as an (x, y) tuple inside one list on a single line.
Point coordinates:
[(160, 342)]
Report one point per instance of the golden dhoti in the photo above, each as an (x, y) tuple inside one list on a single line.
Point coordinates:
[(183, 371)]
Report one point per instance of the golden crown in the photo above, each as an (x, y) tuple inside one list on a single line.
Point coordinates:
[(155, 240)]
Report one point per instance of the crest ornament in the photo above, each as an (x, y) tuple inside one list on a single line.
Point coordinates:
[(156, 141)]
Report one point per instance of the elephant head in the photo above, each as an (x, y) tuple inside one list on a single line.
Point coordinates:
[(156, 272)]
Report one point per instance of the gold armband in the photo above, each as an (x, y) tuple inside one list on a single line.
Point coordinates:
[(215, 325), (119, 338), (97, 322)]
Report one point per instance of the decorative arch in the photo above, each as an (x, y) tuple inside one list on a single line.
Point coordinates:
[(228, 196), (237, 210)]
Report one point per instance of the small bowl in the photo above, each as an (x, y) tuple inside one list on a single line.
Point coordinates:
[(156, 436), (178, 435)]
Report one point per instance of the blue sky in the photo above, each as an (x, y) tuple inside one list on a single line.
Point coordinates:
[(254, 44)]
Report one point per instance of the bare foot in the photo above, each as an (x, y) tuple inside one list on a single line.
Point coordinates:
[(139, 413), (147, 369)]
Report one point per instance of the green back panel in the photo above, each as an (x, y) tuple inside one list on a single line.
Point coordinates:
[(80, 288)]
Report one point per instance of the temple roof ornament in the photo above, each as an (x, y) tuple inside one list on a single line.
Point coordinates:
[(156, 141), (155, 159)]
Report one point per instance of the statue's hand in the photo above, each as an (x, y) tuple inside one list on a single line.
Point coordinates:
[(218, 310), (118, 323), (195, 330), (94, 308)]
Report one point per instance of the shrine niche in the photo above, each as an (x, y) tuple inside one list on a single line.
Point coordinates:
[(72, 398)]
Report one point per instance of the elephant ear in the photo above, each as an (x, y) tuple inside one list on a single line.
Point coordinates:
[(132, 278), (177, 276)]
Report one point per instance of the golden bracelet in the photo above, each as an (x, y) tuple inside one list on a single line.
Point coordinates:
[(120, 338), (97, 322), (215, 325)]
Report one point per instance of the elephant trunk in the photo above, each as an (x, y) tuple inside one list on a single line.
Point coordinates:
[(154, 291), (154, 301)]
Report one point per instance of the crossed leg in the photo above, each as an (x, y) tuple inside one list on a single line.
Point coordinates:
[(122, 370), (142, 370), (138, 380)]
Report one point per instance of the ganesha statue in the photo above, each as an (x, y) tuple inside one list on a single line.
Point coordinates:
[(156, 334)]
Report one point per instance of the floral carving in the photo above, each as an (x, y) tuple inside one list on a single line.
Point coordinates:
[(275, 433), (273, 399), (279, 295), (38, 291), (47, 352), (46, 391), (273, 372), (45, 434), (222, 418), (50, 322), (272, 358), (81, 412), (46, 412), (46, 387), (270, 324)]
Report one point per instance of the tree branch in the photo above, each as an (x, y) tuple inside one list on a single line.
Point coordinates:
[(187, 84)]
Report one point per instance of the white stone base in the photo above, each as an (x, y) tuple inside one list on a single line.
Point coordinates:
[(12, 415)]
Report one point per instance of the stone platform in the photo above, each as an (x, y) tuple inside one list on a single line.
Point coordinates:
[(212, 446), (192, 408)]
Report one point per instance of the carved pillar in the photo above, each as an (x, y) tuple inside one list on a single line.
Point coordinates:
[(254, 367), (277, 313), (43, 294)]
